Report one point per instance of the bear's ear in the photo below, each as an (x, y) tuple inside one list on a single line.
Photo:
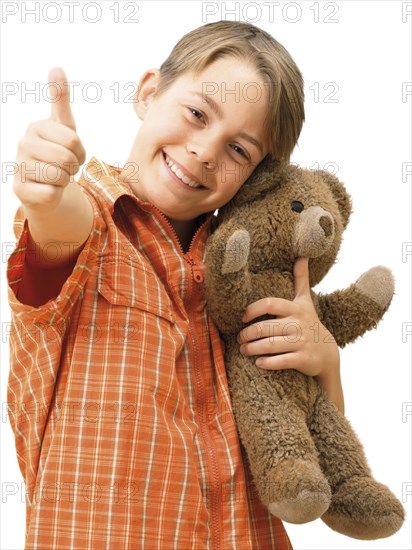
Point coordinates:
[(266, 176), (342, 197)]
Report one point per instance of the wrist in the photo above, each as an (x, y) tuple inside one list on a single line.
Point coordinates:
[(329, 376), (330, 381), (331, 370)]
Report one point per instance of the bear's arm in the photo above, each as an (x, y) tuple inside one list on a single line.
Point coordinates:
[(351, 312)]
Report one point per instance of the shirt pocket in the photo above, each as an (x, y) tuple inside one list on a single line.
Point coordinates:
[(132, 284)]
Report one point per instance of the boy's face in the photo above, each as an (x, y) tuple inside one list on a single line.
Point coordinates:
[(183, 137)]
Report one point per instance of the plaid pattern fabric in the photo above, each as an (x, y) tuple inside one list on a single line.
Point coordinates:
[(118, 396)]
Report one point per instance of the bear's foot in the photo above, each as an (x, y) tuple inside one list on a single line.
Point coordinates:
[(364, 509), (300, 490)]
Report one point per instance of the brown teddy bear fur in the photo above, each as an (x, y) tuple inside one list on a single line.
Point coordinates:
[(305, 458)]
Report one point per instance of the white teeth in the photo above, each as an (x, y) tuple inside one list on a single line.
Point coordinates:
[(180, 174)]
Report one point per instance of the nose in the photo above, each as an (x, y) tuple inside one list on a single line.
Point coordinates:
[(205, 151)]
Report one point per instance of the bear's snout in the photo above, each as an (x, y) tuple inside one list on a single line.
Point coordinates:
[(314, 232)]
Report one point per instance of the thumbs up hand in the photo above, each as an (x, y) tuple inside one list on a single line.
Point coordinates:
[(295, 339), (50, 152)]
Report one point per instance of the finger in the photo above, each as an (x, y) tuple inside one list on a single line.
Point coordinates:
[(301, 277), (39, 172), (60, 135), (279, 362), (271, 306), (289, 330), (32, 193), (263, 329), (60, 97), (268, 346), (47, 155)]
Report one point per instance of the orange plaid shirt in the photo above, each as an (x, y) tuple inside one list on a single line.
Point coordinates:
[(118, 396)]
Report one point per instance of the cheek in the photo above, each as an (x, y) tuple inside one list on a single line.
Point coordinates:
[(233, 175), (160, 124), (228, 190)]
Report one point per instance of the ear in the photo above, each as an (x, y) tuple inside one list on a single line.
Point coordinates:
[(146, 91), (342, 197)]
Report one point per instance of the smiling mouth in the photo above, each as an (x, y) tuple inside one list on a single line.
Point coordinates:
[(180, 175)]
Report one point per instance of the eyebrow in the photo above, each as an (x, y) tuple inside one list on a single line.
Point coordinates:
[(218, 112)]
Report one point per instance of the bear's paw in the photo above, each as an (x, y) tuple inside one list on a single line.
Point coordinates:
[(377, 284)]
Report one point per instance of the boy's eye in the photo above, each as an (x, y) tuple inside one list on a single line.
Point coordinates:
[(239, 150), (196, 113)]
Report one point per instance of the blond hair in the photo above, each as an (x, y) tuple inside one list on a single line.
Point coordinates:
[(272, 62)]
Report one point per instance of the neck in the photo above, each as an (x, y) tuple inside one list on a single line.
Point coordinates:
[(184, 230)]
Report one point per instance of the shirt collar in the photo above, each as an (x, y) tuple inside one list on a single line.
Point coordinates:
[(105, 181)]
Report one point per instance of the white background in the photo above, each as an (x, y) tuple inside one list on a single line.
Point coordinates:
[(364, 57)]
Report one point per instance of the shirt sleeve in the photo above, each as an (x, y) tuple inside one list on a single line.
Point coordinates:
[(38, 285), (38, 293)]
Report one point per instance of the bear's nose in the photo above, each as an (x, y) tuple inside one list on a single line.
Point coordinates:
[(326, 224)]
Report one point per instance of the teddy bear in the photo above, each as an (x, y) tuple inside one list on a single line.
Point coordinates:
[(305, 458)]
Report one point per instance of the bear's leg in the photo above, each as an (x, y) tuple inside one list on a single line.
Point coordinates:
[(361, 507), (298, 490), (281, 454)]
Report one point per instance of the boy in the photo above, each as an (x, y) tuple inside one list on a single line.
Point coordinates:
[(122, 417)]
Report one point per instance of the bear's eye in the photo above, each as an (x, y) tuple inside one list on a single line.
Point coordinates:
[(297, 206)]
